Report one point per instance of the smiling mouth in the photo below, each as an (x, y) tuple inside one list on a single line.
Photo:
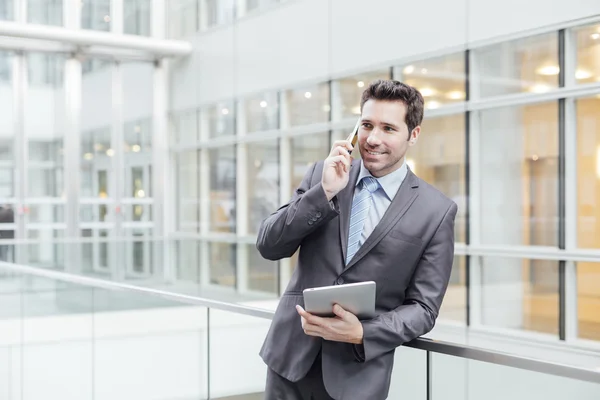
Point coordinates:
[(374, 153)]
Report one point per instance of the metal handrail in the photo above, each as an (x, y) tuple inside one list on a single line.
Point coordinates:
[(429, 345)]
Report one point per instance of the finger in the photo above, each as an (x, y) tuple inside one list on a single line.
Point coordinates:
[(339, 311), (340, 150), (311, 319), (341, 160), (345, 144), (313, 330)]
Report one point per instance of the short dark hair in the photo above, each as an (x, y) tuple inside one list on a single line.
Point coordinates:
[(390, 90)]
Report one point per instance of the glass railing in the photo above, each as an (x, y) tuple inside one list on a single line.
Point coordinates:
[(70, 336)]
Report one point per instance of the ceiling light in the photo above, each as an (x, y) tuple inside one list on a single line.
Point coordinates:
[(107, 18), (548, 70), (535, 157), (141, 193), (263, 104), (308, 95), (225, 111), (424, 70), (582, 74), (433, 104), (426, 92), (136, 148), (110, 152), (456, 95), (360, 84), (88, 156), (540, 88), (326, 108), (409, 69), (595, 36)]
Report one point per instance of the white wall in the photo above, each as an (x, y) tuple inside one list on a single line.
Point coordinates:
[(316, 40)]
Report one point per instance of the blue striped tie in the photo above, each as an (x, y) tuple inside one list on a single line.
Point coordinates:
[(360, 209)]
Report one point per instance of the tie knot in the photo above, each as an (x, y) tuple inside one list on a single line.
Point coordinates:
[(370, 183)]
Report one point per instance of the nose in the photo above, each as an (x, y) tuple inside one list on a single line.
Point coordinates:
[(373, 139)]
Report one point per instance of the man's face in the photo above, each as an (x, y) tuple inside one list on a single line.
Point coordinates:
[(383, 136)]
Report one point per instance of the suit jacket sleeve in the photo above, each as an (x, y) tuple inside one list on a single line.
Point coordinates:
[(282, 232), (417, 315)]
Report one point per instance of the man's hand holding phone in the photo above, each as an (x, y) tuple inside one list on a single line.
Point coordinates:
[(336, 169)]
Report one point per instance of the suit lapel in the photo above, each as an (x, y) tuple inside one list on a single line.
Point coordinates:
[(406, 195), (345, 203)]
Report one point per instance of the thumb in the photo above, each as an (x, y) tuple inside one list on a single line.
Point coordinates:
[(339, 311)]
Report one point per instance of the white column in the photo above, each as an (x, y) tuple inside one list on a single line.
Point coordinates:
[(116, 16), (285, 179), (204, 177), (118, 261), (19, 89), (242, 278)]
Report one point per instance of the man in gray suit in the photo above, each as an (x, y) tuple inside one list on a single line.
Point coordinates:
[(370, 219)]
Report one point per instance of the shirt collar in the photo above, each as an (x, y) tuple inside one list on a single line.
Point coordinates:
[(390, 182)]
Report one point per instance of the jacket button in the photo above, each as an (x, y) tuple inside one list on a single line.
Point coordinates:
[(340, 281), (318, 214), (310, 222)]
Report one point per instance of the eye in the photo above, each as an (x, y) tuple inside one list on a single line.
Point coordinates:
[(366, 125), (388, 128)]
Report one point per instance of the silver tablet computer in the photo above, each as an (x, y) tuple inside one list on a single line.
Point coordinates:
[(358, 298)]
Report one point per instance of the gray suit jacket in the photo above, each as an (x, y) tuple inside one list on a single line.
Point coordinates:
[(409, 255)]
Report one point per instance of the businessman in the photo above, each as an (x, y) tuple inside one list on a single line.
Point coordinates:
[(353, 221)]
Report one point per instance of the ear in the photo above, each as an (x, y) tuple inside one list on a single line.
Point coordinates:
[(414, 136)]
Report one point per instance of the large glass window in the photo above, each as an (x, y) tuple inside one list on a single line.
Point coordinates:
[(263, 182), (440, 80), (220, 119), (45, 12), (349, 92), (223, 261), (454, 306), (262, 112), (137, 17), (519, 294), (95, 15), (263, 274), (308, 149), (188, 187), (183, 18), (306, 106), (217, 12), (6, 10), (588, 300), (439, 159), (7, 161), (222, 189), (519, 175), (185, 126), (523, 65), (588, 54)]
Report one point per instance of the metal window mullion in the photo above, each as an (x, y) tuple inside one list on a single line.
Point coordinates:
[(561, 188), (241, 198), (116, 182), (19, 88), (474, 266), (116, 16)]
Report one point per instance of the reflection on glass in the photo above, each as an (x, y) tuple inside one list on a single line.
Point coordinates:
[(188, 191), (45, 12), (439, 159), (523, 65), (222, 263), (440, 80), (183, 18), (519, 175), (263, 182), (222, 189), (45, 130), (217, 12), (263, 275), (588, 54), (307, 105), (588, 300), (262, 112), (519, 294), (307, 150), (95, 15), (350, 90), (136, 17), (220, 119)]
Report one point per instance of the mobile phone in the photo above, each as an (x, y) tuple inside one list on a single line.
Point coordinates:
[(353, 137)]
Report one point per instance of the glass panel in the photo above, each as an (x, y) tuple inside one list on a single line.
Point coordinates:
[(306, 106), (222, 189), (262, 112), (439, 159), (440, 80), (523, 65), (350, 90), (409, 376), (242, 336), (454, 306), (7, 152), (183, 18), (46, 213), (262, 181), (6, 10), (136, 17), (135, 350), (45, 252), (307, 150), (138, 212), (95, 15), (218, 12), (220, 119), (45, 12), (588, 172), (588, 50), (188, 191), (188, 262), (519, 293), (222, 263), (186, 127), (263, 275), (519, 175), (588, 300)]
